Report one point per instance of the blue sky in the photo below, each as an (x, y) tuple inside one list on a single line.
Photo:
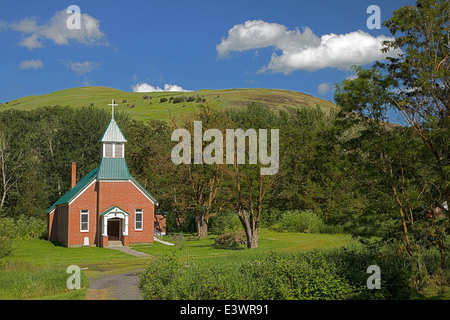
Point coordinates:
[(304, 46)]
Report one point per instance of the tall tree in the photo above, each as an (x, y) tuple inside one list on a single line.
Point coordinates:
[(414, 85), (252, 190)]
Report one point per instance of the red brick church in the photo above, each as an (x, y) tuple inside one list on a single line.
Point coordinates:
[(108, 205)]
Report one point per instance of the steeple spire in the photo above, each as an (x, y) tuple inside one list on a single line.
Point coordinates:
[(113, 105)]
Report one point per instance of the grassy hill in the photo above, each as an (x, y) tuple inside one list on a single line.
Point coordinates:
[(146, 106)]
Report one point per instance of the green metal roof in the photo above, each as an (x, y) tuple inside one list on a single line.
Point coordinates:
[(111, 209), (113, 169), (113, 133), (94, 174), (74, 191)]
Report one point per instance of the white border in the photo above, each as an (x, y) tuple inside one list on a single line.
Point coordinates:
[(142, 219), (81, 222)]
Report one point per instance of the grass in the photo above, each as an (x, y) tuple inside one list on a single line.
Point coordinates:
[(203, 249), (36, 269), (147, 109)]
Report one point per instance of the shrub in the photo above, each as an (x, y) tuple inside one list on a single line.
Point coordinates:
[(261, 276), (308, 276), (156, 280), (231, 239), (6, 236), (299, 221), (224, 221), (163, 99), (180, 99), (190, 99)]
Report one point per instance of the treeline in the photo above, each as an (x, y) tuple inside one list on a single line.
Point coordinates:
[(344, 174)]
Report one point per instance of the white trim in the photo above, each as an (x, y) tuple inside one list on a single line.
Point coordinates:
[(95, 180), (81, 192), (81, 221), (141, 221), (137, 187)]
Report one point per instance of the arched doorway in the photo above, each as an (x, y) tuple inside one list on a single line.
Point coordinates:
[(115, 225)]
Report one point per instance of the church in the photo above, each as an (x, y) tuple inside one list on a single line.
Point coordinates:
[(107, 207)]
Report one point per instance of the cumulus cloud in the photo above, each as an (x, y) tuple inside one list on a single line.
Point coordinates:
[(31, 64), (57, 31), (325, 88), (145, 87), (303, 50), (81, 68)]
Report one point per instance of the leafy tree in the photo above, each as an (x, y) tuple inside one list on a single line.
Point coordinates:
[(252, 190), (415, 85)]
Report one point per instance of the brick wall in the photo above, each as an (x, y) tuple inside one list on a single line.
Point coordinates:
[(101, 196)]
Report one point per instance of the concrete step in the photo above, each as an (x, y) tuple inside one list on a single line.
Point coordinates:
[(115, 244)]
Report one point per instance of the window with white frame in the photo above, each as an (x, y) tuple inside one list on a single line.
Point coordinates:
[(108, 150), (84, 221), (138, 219), (118, 150)]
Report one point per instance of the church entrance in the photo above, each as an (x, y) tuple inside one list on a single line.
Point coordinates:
[(114, 230)]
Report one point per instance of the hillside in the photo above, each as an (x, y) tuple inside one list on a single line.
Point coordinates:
[(146, 106)]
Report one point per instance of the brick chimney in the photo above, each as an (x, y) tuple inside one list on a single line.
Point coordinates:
[(74, 174)]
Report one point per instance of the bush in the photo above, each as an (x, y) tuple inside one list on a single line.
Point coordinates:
[(224, 221), (308, 276), (6, 236), (262, 276), (299, 221), (163, 99), (231, 239), (179, 99), (156, 280)]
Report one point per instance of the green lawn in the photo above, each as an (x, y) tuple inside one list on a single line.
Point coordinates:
[(192, 248), (36, 269)]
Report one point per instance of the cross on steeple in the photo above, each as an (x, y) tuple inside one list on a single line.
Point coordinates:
[(113, 105)]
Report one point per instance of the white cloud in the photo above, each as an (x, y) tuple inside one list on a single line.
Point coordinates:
[(304, 50), (325, 88), (57, 31), (81, 68), (31, 64), (145, 87)]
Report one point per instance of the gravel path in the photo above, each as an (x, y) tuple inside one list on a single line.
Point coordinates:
[(123, 286)]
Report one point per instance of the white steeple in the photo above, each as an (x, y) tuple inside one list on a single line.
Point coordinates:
[(113, 139)]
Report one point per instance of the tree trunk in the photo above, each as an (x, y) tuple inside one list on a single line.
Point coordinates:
[(253, 242), (202, 224), (251, 229)]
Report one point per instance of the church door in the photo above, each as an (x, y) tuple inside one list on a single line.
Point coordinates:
[(114, 230)]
